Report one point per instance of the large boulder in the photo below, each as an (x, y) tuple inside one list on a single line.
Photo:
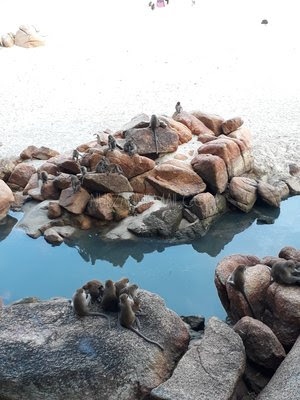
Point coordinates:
[(293, 184), (131, 166), (138, 121), (7, 166), (67, 165), (140, 184), (212, 169), (183, 132), (74, 202), (242, 193), (6, 198), (289, 253), (107, 183), (261, 345), (41, 153), (285, 383), (231, 125), (212, 121), (204, 205), (167, 140), (195, 125), (29, 36), (176, 181), (108, 207), (269, 194), (210, 370), (21, 175), (67, 357)]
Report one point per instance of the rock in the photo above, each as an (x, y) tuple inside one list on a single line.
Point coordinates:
[(21, 175), (44, 153), (195, 322), (284, 384), (204, 205), (282, 187), (224, 268), (231, 125), (242, 193), (33, 183), (183, 132), (138, 121), (294, 169), (180, 157), (176, 182), (135, 198), (62, 181), (188, 215), (163, 223), (19, 200), (7, 165), (208, 371), (108, 207), (141, 185), (68, 165), (49, 191), (6, 198), (50, 168), (243, 134), (212, 121), (254, 379), (167, 140), (103, 183), (74, 202), (269, 194), (26, 154), (83, 221), (195, 125), (289, 253), (36, 194), (52, 237), (7, 40), (65, 231), (293, 184), (54, 210), (120, 208), (143, 207), (28, 36), (62, 353), (261, 345), (131, 166), (82, 148), (205, 138), (212, 170)]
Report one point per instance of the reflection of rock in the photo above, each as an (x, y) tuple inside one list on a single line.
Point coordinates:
[(63, 341), (6, 226), (6, 199)]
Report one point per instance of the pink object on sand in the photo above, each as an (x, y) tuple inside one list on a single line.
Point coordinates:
[(160, 3)]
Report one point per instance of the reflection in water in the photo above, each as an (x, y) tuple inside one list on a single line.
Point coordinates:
[(182, 274), (6, 226)]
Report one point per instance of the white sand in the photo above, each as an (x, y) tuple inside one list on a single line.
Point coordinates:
[(97, 71)]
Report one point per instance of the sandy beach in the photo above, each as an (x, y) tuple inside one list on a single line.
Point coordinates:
[(104, 64)]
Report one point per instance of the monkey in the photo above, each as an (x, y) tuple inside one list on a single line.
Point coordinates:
[(152, 6), (98, 138), (110, 300), (102, 166), (115, 169), (237, 280), (131, 290), (112, 143), (76, 155), (80, 303), (130, 147), (83, 172), (154, 124), (178, 107), (43, 176), (285, 272), (127, 318), (75, 183), (95, 289), (120, 285)]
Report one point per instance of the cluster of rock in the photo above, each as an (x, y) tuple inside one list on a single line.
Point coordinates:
[(26, 36), (203, 168)]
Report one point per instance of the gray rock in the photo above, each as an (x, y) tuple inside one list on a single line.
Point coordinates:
[(196, 322), (208, 371), (52, 237), (293, 184), (138, 121), (269, 194), (163, 222), (46, 352), (285, 383)]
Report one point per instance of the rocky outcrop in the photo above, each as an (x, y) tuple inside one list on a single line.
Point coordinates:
[(204, 205), (108, 207), (62, 359), (212, 169), (107, 183), (212, 121), (284, 385), (269, 194), (183, 132), (261, 345), (242, 193), (74, 202), (209, 370), (195, 125), (6, 198), (67, 165), (131, 166)]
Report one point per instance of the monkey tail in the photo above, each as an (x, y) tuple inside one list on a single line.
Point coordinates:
[(145, 338), (102, 315), (155, 140)]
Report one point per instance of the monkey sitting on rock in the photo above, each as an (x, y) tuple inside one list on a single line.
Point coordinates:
[(104, 166), (178, 108), (110, 301), (130, 147), (42, 176), (154, 124), (75, 183), (95, 289), (76, 155), (286, 272)]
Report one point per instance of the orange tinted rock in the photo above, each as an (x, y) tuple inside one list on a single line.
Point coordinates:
[(205, 138), (49, 191), (49, 168), (269, 194), (44, 153), (231, 125), (54, 210), (74, 202), (290, 253), (21, 174), (32, 183), (212, 170), (6, 198), (62, 181), (131, 166), (242, 193), (140, 184), (101, 207), (176, 181), (180, 157), (243, 134), (194, 124), (68, 165), (82, 148), (204, 205), (135, 198), (26, 154), (143, 207), (183, 132), (212, 121)]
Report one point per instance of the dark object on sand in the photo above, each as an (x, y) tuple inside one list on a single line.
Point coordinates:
[(264, 22)]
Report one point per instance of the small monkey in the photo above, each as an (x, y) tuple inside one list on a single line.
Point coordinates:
[(98, 138), (178, 107), (83, 172), (95, 289), (131, 290), (110, 300), (120, 285), (75, 183), (112, 143), (237, 280), (286, 272), (103, 166), (127, 319), (130, 147), (154, 124), (80, 303), (115, 169), (76, 155), (43, 176)]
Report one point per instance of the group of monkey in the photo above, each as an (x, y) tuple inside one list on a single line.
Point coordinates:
[(104, 165), (117, 297), (282, 272)]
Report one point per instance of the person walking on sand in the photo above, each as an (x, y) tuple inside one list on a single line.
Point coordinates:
[(160, 3)]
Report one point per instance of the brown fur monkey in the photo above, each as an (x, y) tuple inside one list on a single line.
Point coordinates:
[(286, 272), (110, 301), (120, 285), (95, 289), (237, 280), (127, 319), (80, 304), (131, 290)]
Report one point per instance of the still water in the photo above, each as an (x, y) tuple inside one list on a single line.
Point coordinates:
[(182, 274)]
